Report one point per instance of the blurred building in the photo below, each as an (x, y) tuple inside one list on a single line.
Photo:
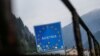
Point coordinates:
[(86, 52), (72, 52)]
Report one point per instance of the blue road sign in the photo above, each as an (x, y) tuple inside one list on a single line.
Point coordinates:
[(49, 37)]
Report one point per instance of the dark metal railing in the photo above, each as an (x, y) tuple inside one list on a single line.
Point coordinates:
[(94, 45)]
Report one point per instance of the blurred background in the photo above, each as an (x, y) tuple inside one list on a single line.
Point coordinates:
[(18, 18)]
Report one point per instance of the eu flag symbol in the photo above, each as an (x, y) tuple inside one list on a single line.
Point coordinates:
[(48, 37)]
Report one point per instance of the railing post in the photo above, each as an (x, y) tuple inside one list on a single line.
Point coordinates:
[(99, 49), (76, 27), (77, 35), (96, 49), (90, 45)]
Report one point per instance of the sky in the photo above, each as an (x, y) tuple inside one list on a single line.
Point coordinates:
[(38, 12)]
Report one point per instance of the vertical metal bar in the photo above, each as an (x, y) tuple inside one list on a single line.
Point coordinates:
[(99, 49), (95, 47), (75, 27), (90, 44), (77, 35)]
